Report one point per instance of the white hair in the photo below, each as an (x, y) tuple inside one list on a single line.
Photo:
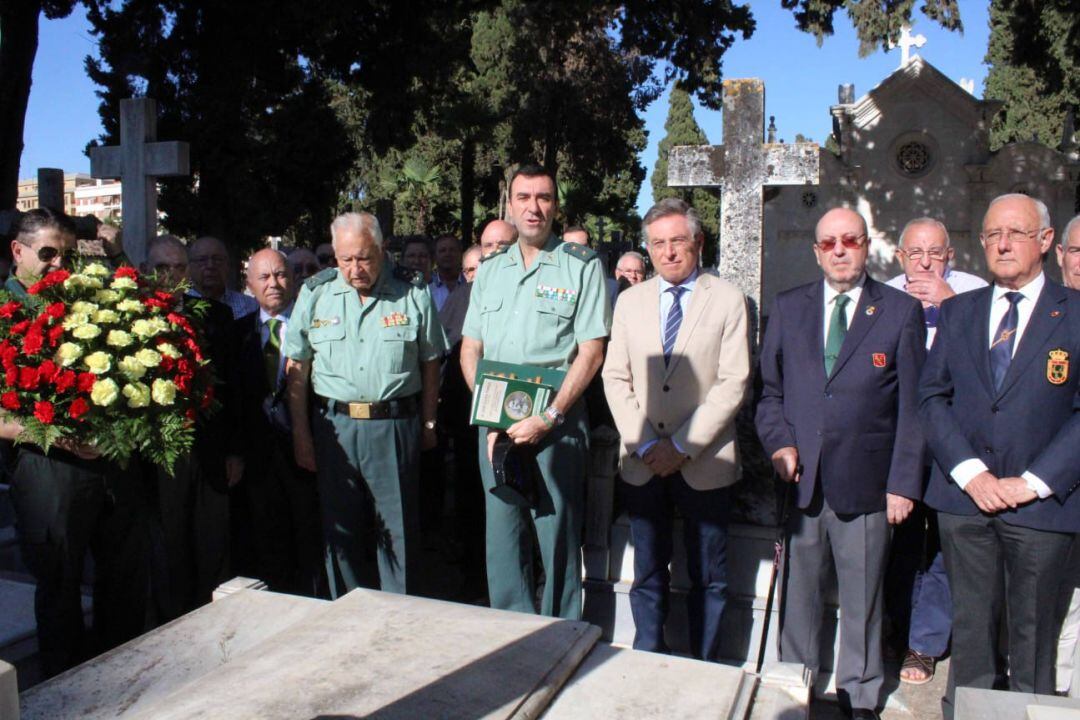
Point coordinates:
[(357, 223), (1073, 225), (1040, 206), (924, 221), (633, 255)]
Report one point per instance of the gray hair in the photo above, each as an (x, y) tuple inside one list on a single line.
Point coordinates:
[(631, 254), (1040, 206), (672, 206), (358, 223), (165, 241), (933, 222), (1074, 224)]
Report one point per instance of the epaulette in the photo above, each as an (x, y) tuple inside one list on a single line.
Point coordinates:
[(408, 275), (496, 253), (583, 253), (320, 278)]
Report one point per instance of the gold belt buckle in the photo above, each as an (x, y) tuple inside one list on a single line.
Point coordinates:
[(360, 411)]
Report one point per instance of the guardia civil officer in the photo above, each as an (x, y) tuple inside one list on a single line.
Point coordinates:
[(71, 502), (366, 336), (539, 302)]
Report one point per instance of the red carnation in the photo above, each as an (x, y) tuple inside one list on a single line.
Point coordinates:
[(11, 377), (56, 311), (47, 369), (8, 310), (127, 271), (154, 302), (36, 287), (167, 363), (8, 353), (28, 378), (79, 407), (64, 381), (55, 333), (190, 414), (182, 382), (20, 327), (43, 411), (33, 341), (56, 277), (85, 382), (9, 401)]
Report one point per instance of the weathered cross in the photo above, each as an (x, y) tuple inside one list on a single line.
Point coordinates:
[(908, 41), (742, 167), (138, 161)]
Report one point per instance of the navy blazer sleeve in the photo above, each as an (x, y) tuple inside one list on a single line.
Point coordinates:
[(906, 470), (772, 427), (1057, 464)]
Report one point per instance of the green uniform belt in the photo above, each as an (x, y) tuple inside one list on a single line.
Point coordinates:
[(384, 410)]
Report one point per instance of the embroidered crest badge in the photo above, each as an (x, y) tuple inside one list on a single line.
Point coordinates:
[(880, 360), (1057, 367)]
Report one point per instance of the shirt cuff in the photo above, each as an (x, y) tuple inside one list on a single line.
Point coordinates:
[(645, 447), (678, 447), (966, 471), (1034, 483)]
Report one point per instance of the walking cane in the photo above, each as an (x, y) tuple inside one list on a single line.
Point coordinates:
[(778, 552)]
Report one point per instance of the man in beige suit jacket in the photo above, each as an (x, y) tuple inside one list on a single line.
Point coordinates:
[(676, 374)]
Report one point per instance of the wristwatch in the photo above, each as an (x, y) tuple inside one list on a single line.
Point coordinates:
[(429, 424), (556, 417)]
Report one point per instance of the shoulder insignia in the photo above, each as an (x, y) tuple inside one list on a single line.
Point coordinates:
[(501, 250), (581, 252), (414, 277), (320, 278)]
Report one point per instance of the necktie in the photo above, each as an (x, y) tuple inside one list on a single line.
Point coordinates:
[(837, 332), (1001, 350), (272, 352), (674, 320), (931, 313)]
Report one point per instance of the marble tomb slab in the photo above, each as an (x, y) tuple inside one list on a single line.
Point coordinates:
[(376, 655), (135, 676), (973, 704)]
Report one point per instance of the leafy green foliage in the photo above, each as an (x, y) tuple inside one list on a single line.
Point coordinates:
[(877, 23)]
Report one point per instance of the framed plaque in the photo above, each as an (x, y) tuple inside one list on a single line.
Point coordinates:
[(506, 393)]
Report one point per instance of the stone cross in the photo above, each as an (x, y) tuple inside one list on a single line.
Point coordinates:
[(908, 41), (742, 167), (138, 161)]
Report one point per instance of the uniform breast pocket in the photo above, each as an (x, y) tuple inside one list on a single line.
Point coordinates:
[(556, 322), (323, 339), (398, 348)]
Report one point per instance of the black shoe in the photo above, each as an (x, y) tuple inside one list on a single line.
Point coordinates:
[(864, 714)]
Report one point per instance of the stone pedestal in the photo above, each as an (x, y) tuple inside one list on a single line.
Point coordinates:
[(972, 704)]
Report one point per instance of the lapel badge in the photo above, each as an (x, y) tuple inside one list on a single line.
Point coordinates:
[(1057, 367), (871, 310), (880, 359), (1055, 313), (317, 323)]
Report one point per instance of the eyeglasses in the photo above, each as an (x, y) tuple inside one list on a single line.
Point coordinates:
[(851, 242), (48, 253), (1012, 234), (935, 254), (676, 242)]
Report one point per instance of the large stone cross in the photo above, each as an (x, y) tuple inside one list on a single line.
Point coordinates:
[(743, 166), (138, 161)]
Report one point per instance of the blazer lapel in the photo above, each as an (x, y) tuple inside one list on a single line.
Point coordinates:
[(699, 299), (977, 338), (1043, 322), (813, 323), (867, 311), (650, 320)]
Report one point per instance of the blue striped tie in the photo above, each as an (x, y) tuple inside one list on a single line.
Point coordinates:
[(674, 320)]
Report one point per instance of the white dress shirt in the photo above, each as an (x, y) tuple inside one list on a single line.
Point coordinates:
[(960, 282), (966, 471), (831, 294), (264, 333)]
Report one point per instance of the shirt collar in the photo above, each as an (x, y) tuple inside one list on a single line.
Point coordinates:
[(1030, 291), (687, 284), (831, 292), (283, 315)]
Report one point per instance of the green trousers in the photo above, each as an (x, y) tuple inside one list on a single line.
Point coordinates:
[(368, 474), (558, 522)]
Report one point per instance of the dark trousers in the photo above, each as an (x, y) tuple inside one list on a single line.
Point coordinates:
[(993, 565), (62, 510), (189, 533), (917, 598), (705, 513), (858, 547), (282, 503)]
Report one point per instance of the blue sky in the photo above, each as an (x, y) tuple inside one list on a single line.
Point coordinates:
[(801, 80)]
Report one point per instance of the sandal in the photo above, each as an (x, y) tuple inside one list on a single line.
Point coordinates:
[(917, 661)]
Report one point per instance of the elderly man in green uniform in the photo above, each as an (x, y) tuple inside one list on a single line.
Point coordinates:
[(539, 302), (367, 337), (71, 502)]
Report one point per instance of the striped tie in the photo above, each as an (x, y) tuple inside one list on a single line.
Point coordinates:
[(674, 320)]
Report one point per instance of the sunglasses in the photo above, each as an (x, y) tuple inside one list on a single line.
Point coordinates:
[(48, 254), (851, 242)]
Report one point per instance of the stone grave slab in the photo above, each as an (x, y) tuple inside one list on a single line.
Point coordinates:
[(373, 654), (9, 693), (133, 677), (619, 683), (974, 704)]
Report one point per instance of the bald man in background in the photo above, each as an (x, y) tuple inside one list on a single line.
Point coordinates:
[(496, 234)]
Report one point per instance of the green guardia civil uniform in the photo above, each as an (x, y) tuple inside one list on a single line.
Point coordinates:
[(367, 468), (538, 316)]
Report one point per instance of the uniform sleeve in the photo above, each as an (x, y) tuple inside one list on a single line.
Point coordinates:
[(432, 337), (296, 345), (593, 317), (472, 326)]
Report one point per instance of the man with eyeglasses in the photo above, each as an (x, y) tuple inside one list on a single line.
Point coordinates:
[(840, 365), (208, 269), (42, 238), (917, 599), (1000, 402)]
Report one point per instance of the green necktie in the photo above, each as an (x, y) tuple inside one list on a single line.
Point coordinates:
[(837, 332), (272, 352)]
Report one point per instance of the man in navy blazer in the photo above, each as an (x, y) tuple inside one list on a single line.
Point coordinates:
[(1000, 401), (838, 415)]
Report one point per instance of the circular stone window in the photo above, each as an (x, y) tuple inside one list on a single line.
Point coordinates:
[(913, 158)]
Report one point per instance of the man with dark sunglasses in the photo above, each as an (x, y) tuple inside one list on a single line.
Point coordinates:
[(42, 238)]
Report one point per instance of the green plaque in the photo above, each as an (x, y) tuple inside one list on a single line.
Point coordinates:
[(506, 393)]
